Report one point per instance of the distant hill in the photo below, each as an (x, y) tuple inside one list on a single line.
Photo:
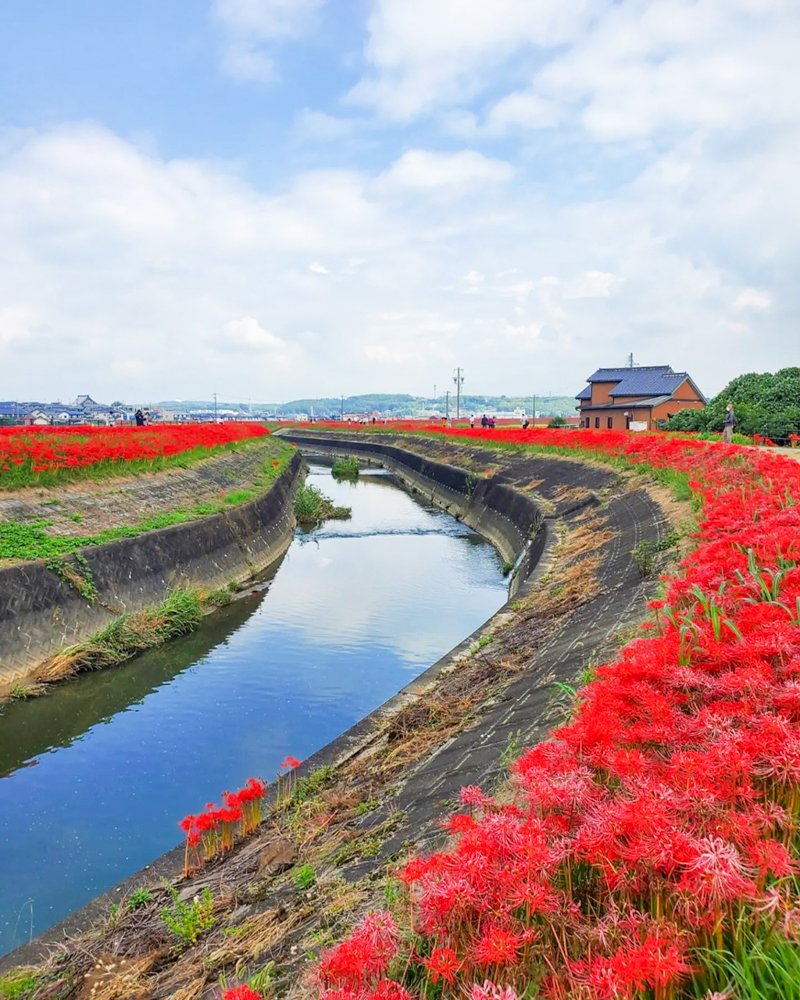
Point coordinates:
[(390, 404)]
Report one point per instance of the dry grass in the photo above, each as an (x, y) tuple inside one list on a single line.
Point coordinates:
[(113, 978)]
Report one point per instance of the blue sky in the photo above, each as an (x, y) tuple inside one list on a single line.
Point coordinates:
[(277, 198)]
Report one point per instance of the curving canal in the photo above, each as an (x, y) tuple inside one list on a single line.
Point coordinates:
[(95, 776)]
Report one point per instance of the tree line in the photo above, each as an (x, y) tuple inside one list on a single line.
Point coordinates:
[(767, 404)]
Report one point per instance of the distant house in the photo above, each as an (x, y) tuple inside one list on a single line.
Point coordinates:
[(85, 403), (638, 399)]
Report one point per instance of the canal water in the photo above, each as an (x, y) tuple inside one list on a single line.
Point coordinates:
[(95, 776)]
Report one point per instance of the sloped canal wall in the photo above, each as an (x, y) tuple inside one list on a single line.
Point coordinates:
[(41, 613)]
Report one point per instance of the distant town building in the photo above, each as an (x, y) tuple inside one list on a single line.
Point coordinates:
[(639, 399)]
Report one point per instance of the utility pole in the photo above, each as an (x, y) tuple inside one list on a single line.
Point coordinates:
[(447, 404), (533, 411), (215, 407), (434, 394), (458, 378), (342, 414)]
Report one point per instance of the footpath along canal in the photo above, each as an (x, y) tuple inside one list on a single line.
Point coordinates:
[(95, 776)]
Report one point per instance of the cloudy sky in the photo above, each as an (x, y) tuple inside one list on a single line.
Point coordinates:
[(280, 198)]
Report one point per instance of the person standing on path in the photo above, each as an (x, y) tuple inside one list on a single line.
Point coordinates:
[(730, 420)]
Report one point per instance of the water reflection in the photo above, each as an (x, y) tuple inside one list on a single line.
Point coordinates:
[(114, 759)]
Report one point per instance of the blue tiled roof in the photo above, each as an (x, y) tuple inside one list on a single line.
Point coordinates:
[(617, 374), (656, 380), (648, 383)]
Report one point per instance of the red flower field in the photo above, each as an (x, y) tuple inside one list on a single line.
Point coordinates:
[(31, 456), (651, 850)]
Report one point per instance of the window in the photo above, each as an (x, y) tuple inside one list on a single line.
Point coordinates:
[(610, 423), (597, 421)]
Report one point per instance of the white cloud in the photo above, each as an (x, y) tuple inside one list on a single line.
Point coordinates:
[(268, 18), (122, 270), (752, 298), (317, 126), (249, 24), (247, 334), (318, 268), (456, 172), (15, 324), (622, 71), (242, 60), (592, 285), (421, 54)]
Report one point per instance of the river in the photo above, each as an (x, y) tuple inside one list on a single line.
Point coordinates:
[(95, 776)]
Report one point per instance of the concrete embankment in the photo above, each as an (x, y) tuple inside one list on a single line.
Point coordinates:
[(43, 610)]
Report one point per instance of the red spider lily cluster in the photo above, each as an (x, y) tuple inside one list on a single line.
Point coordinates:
[(215, 830), (663, 819), (31, 454)]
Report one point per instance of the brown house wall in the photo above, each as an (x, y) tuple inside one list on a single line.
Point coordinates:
[(601, 390), (639, 413)]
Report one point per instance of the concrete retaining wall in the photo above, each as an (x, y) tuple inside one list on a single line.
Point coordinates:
[(41, 613)]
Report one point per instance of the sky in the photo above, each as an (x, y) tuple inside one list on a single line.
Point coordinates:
[(273, 199)]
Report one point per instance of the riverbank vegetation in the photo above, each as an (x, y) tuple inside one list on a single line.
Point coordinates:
[(345, 468), (25, 540), (312, 507), (128, 635), (52, 456), (767, 405)]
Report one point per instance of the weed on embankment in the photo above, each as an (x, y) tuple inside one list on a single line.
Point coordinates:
[(128, 635)]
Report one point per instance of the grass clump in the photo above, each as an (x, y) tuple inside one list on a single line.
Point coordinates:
[(219, 598), (139, 898), (765, 966), (18, 982), (345, 468), (311, 507), (129, 634), (304, 877), (643, 558), (188, 920), (310, 785)]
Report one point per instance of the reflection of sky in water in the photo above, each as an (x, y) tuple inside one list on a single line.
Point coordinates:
[(115, 759)]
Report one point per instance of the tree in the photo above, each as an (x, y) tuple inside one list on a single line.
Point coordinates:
[(766, 404)]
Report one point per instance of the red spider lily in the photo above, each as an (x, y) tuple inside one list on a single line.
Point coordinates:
[(443, 963), (242, 992), (290, 762), (35, 456), (217, 828), (665, 816)]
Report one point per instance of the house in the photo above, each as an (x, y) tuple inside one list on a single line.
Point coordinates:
[(85, 403), (637, 399)]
